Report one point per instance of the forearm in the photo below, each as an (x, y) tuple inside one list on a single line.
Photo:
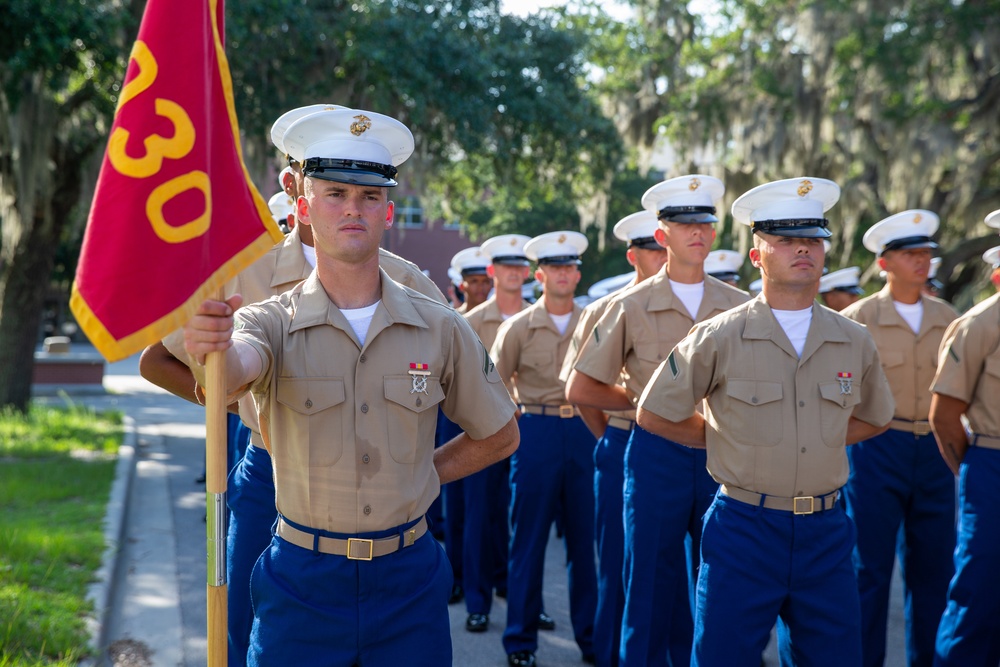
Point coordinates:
[(946, 423), (243, 366), (595, 419), (583, 390), (165, 370), (858, 430), (461, 456), (690, 432)]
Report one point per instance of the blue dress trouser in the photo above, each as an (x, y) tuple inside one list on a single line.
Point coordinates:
[(312, 608), (899, 481), (484, 553), (453, 496), (609, 480), (667, 491), (552, 467), (761, 564), (969, 633), (251, 521)]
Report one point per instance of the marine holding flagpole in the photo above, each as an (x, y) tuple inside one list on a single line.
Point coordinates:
[(347, 370)]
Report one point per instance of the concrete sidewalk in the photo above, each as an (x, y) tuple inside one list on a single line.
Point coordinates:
[(151, 597)]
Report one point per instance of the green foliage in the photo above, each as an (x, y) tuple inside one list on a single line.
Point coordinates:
[(58, 467), (68, 42)]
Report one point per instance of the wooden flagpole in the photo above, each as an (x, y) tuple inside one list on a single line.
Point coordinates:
[(216, 509)]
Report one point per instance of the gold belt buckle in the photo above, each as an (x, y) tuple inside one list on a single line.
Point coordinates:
[(363, 544), (566, 411), (798, 505), (921, 428)]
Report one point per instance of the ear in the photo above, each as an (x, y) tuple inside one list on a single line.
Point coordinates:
[(390, 210), (539, 275), (754, 256), (302, 210), (630, 256), (490, 271), (288, 183), (881, 263), (995, 278), (713, 232), (291, 221), (660, 234)]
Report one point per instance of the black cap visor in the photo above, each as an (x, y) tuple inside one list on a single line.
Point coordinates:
[(799, 229), (908, 243), (645, 243), (353, 172), (688, 215), (511, 260), (725, 275), (561, 260), (474, 271), (849, 289)]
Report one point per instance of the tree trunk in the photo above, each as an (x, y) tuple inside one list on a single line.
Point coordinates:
[(23, 284)]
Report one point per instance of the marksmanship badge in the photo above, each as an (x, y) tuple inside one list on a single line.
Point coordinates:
[(845, 383), (419, 373)]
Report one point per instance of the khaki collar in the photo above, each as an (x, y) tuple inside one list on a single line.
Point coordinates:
[(314, 308), (826, 326), (290, 265)]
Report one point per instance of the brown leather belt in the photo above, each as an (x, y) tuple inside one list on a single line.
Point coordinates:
[(354, 548), (621, 423), (919, 427), (796, 505), (987, 441), (564, 411)]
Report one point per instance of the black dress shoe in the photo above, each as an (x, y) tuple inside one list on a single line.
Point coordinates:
[(521, 659), (590, 658), (546, 622), (502, 593), (457, 593), (477, 622)]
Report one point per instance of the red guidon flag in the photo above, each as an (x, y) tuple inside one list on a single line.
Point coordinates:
[(175, 214)]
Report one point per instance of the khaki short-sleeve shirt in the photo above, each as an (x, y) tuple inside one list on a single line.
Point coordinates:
[(775, 423), (642, 325), (908, 359), (351, 427), (969, 365), (529, 351), (280, 269), (486, 318), (589, 318)]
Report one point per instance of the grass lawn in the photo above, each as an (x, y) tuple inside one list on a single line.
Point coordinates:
[(56, 470)]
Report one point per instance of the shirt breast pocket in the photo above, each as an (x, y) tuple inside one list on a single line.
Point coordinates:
[(411, 414), (835, 410), (756, 411), (893, 366), (313, 416)]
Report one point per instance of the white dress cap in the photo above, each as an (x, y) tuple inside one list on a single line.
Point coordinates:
[(281, 206), (687, 199), (556, 248), (470, 262), (909, 229), (756, 286), (637, 230), (993, 219), (723, 264), (507, 249), (992, 257), (455, 277), (289, 117), (790, 207), (606, 286), (844, 280), (349, 146)]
